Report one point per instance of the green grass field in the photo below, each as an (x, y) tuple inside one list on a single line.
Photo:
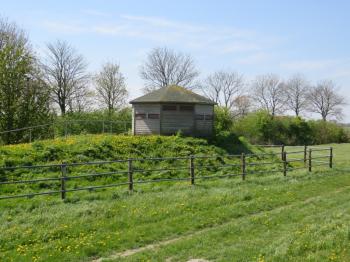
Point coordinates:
[(301, 217)]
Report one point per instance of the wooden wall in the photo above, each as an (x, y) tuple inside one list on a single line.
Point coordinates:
[(146, 126), (173, 121), (204, 127), (198, 122)]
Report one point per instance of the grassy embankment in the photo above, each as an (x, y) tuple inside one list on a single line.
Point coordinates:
[(265, 218), (95, 148)]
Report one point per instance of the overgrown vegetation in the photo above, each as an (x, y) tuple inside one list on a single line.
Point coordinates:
[(93, 148), (262, 128)]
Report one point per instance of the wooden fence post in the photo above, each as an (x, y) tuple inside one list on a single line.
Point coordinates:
[(331, 157), (282, 151), (305, 155), (103, 126), (243, 166), (65, 129), (284, 163), (192, 169), (130, 175), (63, 180), (310, 160)]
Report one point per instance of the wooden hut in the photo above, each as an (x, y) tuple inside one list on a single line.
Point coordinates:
[(170, 109)]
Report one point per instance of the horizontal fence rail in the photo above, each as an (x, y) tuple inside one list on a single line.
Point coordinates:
[(194, 166)]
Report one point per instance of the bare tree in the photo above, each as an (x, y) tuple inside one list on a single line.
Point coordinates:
[(223, 87), (65, 72), (111, 87), (242, 105), (165, 67), (325, 100), (296, 90), (268, 92), (82, 100)]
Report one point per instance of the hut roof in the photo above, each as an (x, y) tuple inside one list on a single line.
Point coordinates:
[(173, 94)]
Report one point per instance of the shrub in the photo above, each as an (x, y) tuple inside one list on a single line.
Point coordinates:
[(223, 120), (327, 132), (261, 128)]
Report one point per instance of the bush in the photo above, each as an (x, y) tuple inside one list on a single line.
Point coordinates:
[(328, 132), (261, 128), (223, 120)]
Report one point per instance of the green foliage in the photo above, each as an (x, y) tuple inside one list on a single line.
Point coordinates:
[(231, 143), (24, 98), (261, 128), (224, 137), (93, 148), (94, 122), (106, 147), (223, 119), (328, 132), (253, 126)]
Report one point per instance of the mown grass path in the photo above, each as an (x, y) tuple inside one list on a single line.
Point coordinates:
[(245, 225), (314, 229)]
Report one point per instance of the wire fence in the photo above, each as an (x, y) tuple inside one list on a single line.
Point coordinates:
[(64, 129), (135, 171)]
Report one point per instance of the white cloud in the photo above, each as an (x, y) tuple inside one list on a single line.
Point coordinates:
[(309, 65), (255, 58), (61, 27), (161, 22), (92, 12), (220, 40), (240, 46)]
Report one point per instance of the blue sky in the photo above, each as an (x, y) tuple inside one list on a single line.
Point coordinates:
[(251, 37)]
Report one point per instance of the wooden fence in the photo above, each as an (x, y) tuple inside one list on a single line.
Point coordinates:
[(305, 159)]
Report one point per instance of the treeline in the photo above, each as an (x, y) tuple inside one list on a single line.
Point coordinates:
[(39, 90), (260, 127), (57, 86)]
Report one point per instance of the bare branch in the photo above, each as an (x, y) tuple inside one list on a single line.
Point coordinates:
[(325, 100), (223, 87), (165, 67), (111, 87), (65, 72), (296, 89), (242, 105), (267, 91)]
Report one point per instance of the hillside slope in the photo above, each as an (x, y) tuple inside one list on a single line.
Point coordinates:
[(85, 148), (95, 148)]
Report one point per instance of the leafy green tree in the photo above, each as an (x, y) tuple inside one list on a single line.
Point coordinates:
[(24, 99)]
